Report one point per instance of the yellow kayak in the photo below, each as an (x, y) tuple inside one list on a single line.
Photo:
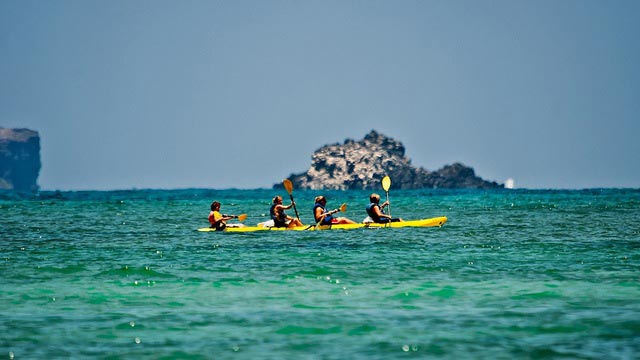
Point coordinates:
[(437, 221)]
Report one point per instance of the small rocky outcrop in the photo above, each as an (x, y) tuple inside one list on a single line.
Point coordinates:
[(362, 165), (19, 159)]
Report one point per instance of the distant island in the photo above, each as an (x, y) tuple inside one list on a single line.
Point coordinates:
[(19, 159), (362, 165)]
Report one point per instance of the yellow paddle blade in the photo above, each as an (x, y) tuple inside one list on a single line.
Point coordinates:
[(343, 207), (288, 185), (242, 217), (386, 183)]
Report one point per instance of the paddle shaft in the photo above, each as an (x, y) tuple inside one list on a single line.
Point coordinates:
[(241, 217), (342, 208), (294, 206), (288, 185), (388, 204)]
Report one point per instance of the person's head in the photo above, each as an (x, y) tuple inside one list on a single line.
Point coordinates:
[(215, 206), (320, 200), (374, 198), (277, 199)]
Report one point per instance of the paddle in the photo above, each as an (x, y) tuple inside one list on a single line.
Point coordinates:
[(288, 185), (241, 217), (386, 184), (342, 208)]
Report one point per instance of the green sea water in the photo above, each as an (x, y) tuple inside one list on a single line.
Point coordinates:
[(512, 274)]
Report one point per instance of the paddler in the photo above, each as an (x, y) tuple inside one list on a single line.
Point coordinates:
[(376, 211), (279, 217), (324, 217), (218, 221)]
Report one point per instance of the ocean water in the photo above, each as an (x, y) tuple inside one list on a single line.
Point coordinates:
[(512, 274)]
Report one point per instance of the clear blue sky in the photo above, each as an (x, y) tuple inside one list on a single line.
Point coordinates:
[(219, 94)]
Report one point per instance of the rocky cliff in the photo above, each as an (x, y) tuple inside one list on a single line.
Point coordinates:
[(362, 165), (19, 159)]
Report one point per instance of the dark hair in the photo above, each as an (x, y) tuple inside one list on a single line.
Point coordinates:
[(374, 198), (277, 198), (215, 205)]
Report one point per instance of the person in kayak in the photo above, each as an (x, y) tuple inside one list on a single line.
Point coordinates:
[(324, 217), (279, 217), (376, 211), (217, 220)]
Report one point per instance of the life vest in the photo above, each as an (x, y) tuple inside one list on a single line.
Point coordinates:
[(279, 220), (215, 218), (327, 219), (372, 214)]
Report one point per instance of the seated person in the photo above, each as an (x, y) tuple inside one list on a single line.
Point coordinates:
[(376, 212), (324, 217), (218, 221), (279, 217)]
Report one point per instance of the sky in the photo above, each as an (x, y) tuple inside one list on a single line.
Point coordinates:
[(239, 94)]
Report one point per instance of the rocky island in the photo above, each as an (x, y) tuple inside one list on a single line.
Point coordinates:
[(362, 165), (19, 159)]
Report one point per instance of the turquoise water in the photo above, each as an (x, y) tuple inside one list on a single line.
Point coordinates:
[(512, 274)]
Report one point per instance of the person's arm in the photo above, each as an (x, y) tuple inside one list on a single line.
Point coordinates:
[(377, 210), (318, 215), (222, 217)]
